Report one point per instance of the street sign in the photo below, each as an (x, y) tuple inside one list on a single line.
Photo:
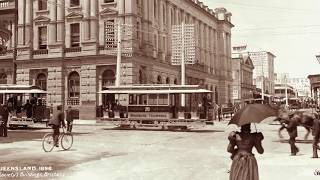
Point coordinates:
[(183, 36)]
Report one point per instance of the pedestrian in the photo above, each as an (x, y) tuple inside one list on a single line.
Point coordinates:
[(219, 112), (4, 113), (55, 122), (293, 132), (69, 118), (316, 136), (28, 108), (244, 164)]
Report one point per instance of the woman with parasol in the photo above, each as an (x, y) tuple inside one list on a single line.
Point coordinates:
[(244, 164)]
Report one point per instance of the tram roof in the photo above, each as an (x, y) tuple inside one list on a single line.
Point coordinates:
[(20, 89), (154, 89)]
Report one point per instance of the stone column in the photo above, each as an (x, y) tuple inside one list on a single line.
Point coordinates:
[(60, 21), (93, 19), (21, 15), (86, 15), (28, 28), (53, 21)]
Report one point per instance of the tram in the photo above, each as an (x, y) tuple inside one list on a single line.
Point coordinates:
[(156, 106), (15, 98)]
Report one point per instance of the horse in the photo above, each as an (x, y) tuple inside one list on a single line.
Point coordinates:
[(304, 120)]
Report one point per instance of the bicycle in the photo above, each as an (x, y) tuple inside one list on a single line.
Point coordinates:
[(65, 139)]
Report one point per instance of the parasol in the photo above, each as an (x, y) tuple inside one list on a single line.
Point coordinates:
[(253, 113)]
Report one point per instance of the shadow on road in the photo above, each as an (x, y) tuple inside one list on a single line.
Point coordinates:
[(17, 136), (297, 141), (149, 129)]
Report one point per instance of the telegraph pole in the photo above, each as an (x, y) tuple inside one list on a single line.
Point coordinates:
[(118, 68), (183, 66)]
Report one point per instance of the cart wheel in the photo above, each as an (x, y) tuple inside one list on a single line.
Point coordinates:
[(66, 141), (47, 142)]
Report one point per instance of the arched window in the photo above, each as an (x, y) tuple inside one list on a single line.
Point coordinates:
[(3, 78), (41, 81), (167, 80), (175, 81), (159, 80), (108, 78), (74, 85)]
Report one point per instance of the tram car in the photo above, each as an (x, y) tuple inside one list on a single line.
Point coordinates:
[(15, 97), (156, 106)]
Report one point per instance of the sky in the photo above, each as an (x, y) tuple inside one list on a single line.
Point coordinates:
[(290, 29)]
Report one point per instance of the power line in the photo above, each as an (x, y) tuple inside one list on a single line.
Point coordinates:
[(272, 8)]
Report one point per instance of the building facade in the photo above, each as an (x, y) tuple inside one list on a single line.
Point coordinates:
[(242, 76), (301, 85), (8, 31), (65, 47), (315, 87), (263, 73)]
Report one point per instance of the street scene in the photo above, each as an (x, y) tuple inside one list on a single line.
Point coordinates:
[(159, 89)]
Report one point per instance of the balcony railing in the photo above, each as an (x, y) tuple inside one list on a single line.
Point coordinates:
[(73, 49), (5, 53), (73, 101), (40, 52), (7, 4)]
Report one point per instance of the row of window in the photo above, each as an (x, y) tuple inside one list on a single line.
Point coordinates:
[(43, 4), (74, 36)]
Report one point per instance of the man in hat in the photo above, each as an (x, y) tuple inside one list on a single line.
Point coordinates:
[(69, 119), (293, 132)]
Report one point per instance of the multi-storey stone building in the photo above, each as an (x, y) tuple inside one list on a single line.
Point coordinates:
[(63, 47), (8, 27), (242, 76), (263, 72)]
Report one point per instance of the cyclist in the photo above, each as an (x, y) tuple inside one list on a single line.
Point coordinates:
[(56, 122)]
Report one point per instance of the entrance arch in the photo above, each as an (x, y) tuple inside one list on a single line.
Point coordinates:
[(41, 81), (108, 79)]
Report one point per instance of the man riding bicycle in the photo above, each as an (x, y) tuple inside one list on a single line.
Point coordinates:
[(56, 122)]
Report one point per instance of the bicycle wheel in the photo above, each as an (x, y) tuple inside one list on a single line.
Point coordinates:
[(66, 141), (47, 142)]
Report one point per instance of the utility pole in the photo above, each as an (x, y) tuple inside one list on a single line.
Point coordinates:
[(183, 66), (118, 68)]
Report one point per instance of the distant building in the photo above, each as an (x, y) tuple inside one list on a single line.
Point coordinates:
[(263, 73), (315, 87), (263, 62), (242, 78), (301, 85)]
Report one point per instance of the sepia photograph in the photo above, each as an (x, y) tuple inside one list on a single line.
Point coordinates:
[(159, 89)]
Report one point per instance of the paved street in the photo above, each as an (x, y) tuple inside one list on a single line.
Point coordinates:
[(102, 152)]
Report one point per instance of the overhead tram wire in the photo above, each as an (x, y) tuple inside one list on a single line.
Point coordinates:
[(270, 8)]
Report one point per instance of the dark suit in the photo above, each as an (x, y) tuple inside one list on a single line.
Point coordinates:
[(293, 133), (3, 126), (316, 134)]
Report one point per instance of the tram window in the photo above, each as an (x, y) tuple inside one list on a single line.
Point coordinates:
[(132, 99), (143, 99), (152, 99), (163, 99)]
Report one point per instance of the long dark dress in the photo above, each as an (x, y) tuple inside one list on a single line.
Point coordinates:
[(244, 164)]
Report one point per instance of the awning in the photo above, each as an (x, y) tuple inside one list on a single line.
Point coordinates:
[(23, 91)]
